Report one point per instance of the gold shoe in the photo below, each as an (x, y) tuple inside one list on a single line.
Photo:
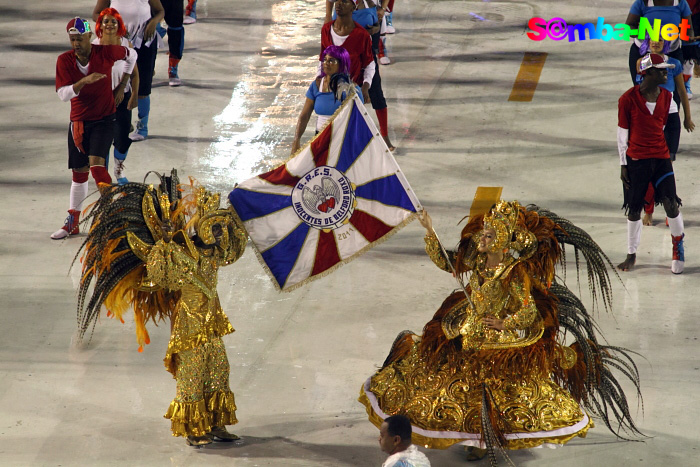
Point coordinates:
[(475, 454), (219, 433), (198, 441)]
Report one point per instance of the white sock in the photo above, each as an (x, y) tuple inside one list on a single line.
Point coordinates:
[(78, 192), (634, 235), (676, 225)]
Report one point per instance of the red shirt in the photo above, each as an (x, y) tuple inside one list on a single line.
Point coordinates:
[(95, 100), (646, 130), (694, 7), (359, 46)]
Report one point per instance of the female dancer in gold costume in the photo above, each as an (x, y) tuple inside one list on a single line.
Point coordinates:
[(492, 369), (141, 255)]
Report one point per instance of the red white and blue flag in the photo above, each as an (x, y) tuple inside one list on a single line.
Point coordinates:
[(336, 198)]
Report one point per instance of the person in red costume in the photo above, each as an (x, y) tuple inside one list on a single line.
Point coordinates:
[(83, 78), (346, 33), (644, 158)]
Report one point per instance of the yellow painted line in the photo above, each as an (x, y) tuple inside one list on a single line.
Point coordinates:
[(484, 198), (528, 77)]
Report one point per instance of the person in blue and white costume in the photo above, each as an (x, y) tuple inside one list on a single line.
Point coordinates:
[(672, 131), (668, 12), (320, 97)]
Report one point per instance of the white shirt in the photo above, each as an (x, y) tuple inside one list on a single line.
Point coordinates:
[(136, 15), (369, 70), (411, 457)]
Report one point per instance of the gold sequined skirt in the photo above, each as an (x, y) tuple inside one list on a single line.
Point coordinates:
[(444, 403)]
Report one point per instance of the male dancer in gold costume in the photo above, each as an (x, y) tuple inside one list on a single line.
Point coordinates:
[(141, 255)]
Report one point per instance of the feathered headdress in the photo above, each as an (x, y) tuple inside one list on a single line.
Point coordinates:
[(125, 224)]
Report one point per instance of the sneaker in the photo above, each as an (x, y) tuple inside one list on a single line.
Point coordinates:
[(70, 227), (189, 20), (140, 133), (384, 60), (678, 262), (690, 94), (119, 171), (390, 29), (173, 79), (136, 136)]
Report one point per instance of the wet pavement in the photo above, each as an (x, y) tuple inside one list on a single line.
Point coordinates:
[(298, 359)]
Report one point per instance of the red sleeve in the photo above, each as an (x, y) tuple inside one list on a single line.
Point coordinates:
[(367, 55), (326, 39), (62, 75), (623, 112)]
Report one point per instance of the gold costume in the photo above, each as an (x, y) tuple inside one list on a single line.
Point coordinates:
[(141, 255), (463, 382), (196, 355)]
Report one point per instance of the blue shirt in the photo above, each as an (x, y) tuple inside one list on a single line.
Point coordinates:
[(324, 102), (667, 14), (366, 17)]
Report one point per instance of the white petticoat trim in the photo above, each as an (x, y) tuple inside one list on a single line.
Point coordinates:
[(474, 439)]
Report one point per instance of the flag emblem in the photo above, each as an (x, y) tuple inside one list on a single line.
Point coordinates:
[(324, 198)]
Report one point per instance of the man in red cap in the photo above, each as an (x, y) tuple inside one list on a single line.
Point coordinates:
[(644, 158), (80, 79)]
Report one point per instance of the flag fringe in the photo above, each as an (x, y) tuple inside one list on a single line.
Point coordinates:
[(309, 279)]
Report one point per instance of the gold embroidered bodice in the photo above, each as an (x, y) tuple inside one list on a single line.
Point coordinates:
[(198, 316), (491, 295)]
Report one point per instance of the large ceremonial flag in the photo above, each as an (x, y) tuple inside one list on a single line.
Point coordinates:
[(336, 198)]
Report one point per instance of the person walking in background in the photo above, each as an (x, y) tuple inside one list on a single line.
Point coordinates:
[(361, 13), (190, 12), (388, 7), (376, 93), (668, 12), (140, 18), (110, 30), (672, 130), (176, 38), (82, 77), (645, 158)]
